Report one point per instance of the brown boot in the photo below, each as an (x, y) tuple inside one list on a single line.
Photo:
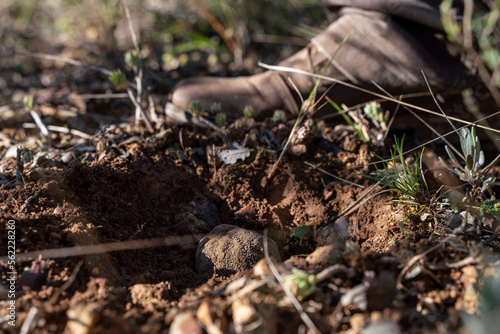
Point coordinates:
[(390, 51)]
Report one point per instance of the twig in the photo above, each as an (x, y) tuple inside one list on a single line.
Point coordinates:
[(30, 321), (138, 73), (29, 200), (64, 60), (424, 122), (218, 27), (39, 123), (106, 248), (334, 269), (19, 167), (61, 129), (465, 262), (67, 284), (413, 261), (357, 204), (303, 315), (334, 176), (387, 98)]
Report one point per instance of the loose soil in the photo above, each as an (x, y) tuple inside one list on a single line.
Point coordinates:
[(143, 188)]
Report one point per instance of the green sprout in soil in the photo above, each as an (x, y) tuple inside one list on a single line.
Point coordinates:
[(249, 112), (216, 108), (479, 178), (301, 231), (408, 181), (117, 78), (279, 116), (220, 119), (196, 108), (360, 121), (301, 284)]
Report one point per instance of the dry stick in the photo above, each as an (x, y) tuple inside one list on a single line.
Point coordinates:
[(357, 106), (138, 73), (19, 167), (334, 176), (430, 141), (66, 284), (360, 201), (482, 70), (28, 201), (413, 261), (106, 248), (39, 123), (303, 315), (424, 122), (61, 129), (386, 98), (67, 61)]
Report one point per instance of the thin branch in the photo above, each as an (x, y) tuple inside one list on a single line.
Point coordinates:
[(334, 176), (29, 200), (303, 315), (106, 248), (61, 129), (386, 98)]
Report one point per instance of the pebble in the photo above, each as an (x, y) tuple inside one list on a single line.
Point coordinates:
[(325, 255), (185, 323), (229, 249)]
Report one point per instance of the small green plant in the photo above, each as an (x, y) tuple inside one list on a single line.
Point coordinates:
[(279, 116), (27, 155), (220, 119), (118, 78), (249, 112), (373, 111), (196, 108), (300, 283), (472, 172), (360, 121), (301, 231), (132, 58), (408, 181), (216, 108)]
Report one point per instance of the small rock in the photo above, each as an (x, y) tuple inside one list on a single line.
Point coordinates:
[(324, 255), (229, 249), (334, 234), (382, 327), (355, 298), (243, 314), (185, 323), (358, 321), (150, 295), (82, 318)]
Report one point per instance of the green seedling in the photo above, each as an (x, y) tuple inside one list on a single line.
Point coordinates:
[(196, 108), (279, 116), (408, 182), (301, 231), (132, 58), (216, 108), (220, 119), (472, 172), (249, 112), (374, 112), (27, 155), (300, 283), (118, 78)]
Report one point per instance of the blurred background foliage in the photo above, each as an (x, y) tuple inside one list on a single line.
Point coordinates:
[(219, 34)]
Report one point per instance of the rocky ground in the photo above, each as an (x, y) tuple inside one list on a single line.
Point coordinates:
[(123, 230)]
